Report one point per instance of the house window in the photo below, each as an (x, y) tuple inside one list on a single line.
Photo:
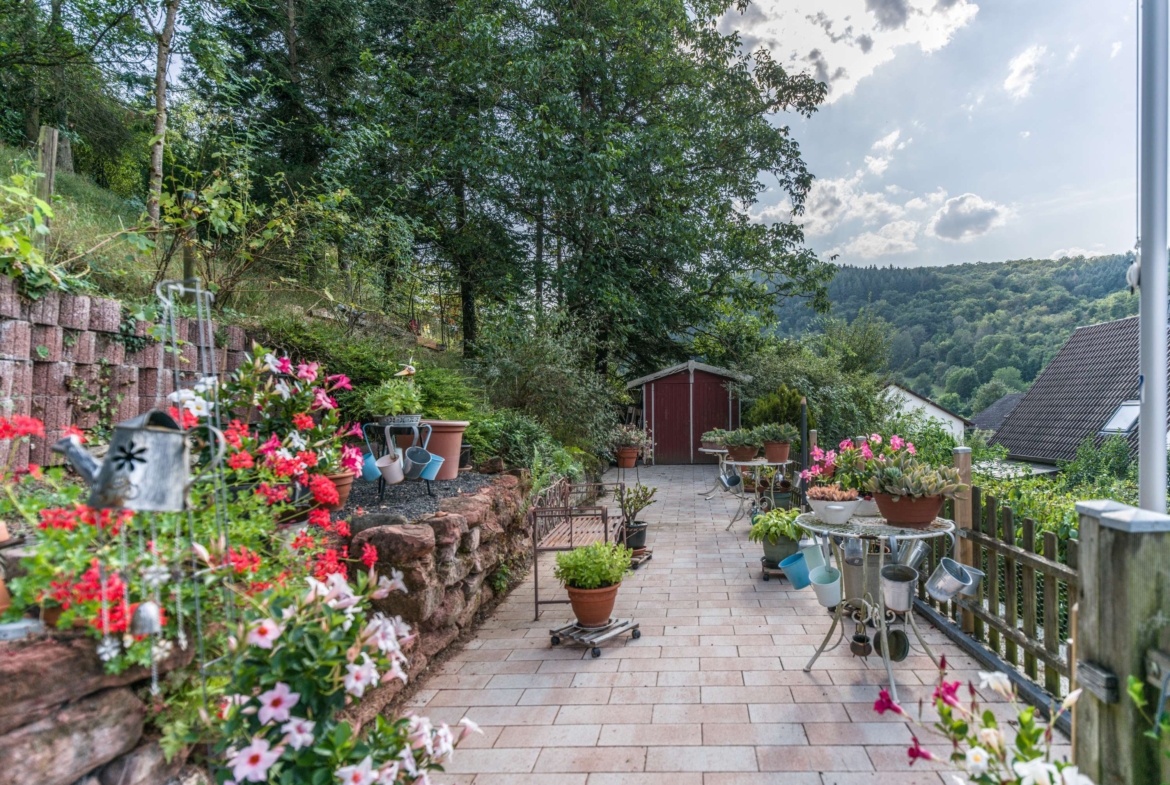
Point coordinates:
[(1123, 419)]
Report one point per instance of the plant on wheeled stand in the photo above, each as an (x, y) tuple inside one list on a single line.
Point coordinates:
[(592, 575), (777, 532)]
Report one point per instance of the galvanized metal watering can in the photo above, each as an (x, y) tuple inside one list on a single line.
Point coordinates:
[(147, 467)]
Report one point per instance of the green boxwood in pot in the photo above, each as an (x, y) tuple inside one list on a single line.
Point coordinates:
[(743, 444), (778, 533), (592, 575), (777, 440)]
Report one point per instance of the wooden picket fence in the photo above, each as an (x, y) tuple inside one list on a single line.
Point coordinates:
[(1021, 610)]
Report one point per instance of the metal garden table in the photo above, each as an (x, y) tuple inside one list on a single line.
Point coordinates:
[(721, 454), (758, 465), (867, 608)]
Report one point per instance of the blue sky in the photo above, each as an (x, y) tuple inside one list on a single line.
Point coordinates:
[(959, 131)]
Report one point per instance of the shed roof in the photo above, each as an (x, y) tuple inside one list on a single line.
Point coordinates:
[(993, 416), (689, 366), (1094, 372)]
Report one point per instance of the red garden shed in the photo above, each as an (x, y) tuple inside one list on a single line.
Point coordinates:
[(683, 401)]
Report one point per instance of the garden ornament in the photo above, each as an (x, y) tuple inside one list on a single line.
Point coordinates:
[(146, 468), (147, 619), (370, 472)]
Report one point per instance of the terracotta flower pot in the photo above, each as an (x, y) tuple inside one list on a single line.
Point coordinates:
[(344, 483), (742, 453), (907, 511), (593, 607), (777, 452), (627, 457), (446, 441)]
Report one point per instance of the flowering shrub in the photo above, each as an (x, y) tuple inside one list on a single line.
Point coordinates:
[(880, 465), (978, 743), (299, 657)]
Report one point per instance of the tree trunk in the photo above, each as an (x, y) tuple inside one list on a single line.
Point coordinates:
[(466, 271), (538, 267), (290, 38), (164, 39), (64, 148)]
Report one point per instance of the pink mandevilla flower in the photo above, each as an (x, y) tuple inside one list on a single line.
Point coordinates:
[(361, 774), (910, 448), (339, 381), (298, 732), (846, 444), (817, 453), (884, 703), (308, 371), (917, 752), (875, 438), (896, 442), (269, 447), (351, 458), (321, 399), (264, 633), (276, 703), (360, 677), (252, 763), (948, 692), (866, 452)]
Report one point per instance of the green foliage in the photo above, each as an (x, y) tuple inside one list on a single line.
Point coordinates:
[(633, 500), (860, 345), (962, 382), (988, 394), (908, 475), (1098, 460), (628, 436), (393, 396), (743, 437), (715, 436), (24, 224), (774, 525), (500, 578), (778, 433), (448, 394), (782, 406), (593, 566)]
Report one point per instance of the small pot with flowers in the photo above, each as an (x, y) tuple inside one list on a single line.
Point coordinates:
[(743, 444), (627, 442), (777, 440), (592, 575), (908, 491), (831, 503)]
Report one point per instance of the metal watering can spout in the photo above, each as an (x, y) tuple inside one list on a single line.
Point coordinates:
[(79, 458)]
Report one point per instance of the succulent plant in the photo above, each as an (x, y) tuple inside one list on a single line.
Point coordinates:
[(773, 432), (744, 437), (716, 436), (906, 476), (831, 493)]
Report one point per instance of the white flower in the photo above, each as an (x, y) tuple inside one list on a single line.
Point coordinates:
[(205, 384), (201, 552), (296, 441), (999, 682), (182, 395), (387, 585), (1071, 700), (379, 631), (284, 453), (282, 388), (264, 633), (161, 649), (340, 596), (108, 649), (298, 732), (420, 734), (271, 363), (252, 763), (275, 704), (977, 760), (408, 764), (401, 628), (959, 780), (1071, 775), (991, 738), (388, 774), (361, 677), (469, 727), (1035, 772), (396, 671), (197, 406), (360, 774), (444, 743)]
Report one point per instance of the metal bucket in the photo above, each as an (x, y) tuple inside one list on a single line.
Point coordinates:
[(976, 579), (416, 460), (912, 553), (431, 471), (949, 579), (898, 582), (390, 467)]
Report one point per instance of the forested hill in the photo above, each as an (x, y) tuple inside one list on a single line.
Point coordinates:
[(959, 327)]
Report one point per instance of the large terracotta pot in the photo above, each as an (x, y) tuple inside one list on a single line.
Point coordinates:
[(627, 457), (446, 440), (344, 483), (777, 452), (593, 607), (907, 511), (742, 453)]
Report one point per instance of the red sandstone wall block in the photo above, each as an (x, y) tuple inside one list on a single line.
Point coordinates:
[(15, 340), (22, 451), (15, 379), (235, 339), (124, 381), (74, 312), (104, 315), (54, 410), (79, 347), (9, 299), (108, 349), (51, 378), (155, 381), (150, 356), (47, 343), (45, 309)]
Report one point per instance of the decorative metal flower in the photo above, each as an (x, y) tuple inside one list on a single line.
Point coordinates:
[(108, 649), (127, 455), (156, 575)]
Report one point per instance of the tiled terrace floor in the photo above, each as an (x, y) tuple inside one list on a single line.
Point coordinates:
[(713, 692)]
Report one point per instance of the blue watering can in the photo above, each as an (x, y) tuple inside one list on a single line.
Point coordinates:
[(370, 471)]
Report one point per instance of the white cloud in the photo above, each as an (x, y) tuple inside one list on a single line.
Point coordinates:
[(894, 238), (843, 41), (876, 165), (1073, 53), (1025, 134), (1022, 71), (888, 141), (1074, 252), (1115, 50), (928, 201), (833, 202), (966, 217)]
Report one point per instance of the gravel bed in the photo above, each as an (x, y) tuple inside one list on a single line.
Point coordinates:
[(410, 497)]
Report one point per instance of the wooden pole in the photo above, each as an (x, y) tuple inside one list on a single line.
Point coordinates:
[(964, 515), (1125, 580), (47, 166)]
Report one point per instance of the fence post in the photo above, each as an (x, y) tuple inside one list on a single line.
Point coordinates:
[(47, 166), (964, 515), (1125, 582)]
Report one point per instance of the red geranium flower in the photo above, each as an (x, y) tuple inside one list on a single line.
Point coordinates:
[(273, 495), (323, 489), (319, 517), (244, 560), (369, 555), (241, 460), (341, 528), (302, 421)]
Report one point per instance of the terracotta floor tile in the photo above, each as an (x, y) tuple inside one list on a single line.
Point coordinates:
[(549, 736), (811, 758), (701, 759), (644, 778), (770, 778), (625, 715), (591, 759), (655, 695), (746, 695), (565, 696), (650, 735), (756, 734), (491, 761), (695, 713), (521, 779)]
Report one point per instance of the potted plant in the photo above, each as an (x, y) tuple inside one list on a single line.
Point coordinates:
[(777, 440), (713, 439), (778, 533), (627, 441), (632, 501), (832, 503), (743, 444), (395, 402), (592, 575), (910, 492)]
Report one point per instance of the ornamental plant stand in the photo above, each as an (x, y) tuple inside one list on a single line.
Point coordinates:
[(637, 561), (770, 570), (595, 636)]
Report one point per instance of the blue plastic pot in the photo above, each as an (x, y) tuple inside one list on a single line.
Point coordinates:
[(432, 469), (796, 568)]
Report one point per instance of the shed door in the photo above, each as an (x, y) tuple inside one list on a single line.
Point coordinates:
[(671, 398), (711, 409)]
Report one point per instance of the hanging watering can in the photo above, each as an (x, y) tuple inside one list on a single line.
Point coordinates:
[(416, 460), (949, 579), (912, 553), (390, 467), (432, 468), (146, 468), (370, 471)]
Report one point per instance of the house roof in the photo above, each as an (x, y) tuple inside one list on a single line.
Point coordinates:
[(1095, 371), (924, 399), (690, 366), (993, 416)]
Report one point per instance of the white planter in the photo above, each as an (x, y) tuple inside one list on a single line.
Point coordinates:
[(867, 508), (826, 582), (833, 512)]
